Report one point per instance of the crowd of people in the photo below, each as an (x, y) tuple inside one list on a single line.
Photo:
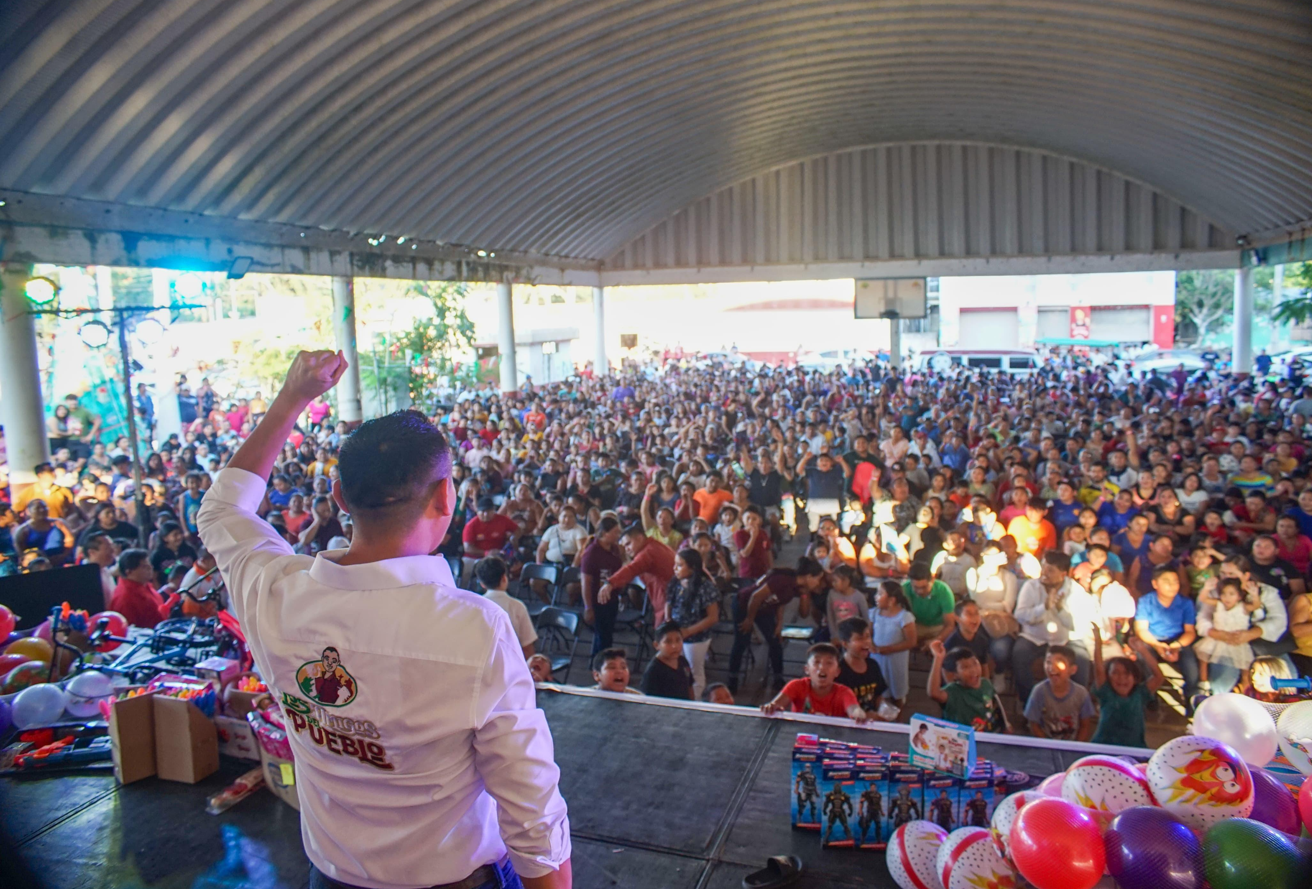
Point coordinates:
[(1065, 534)]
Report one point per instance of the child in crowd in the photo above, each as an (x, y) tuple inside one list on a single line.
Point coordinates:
[(1202, 567), (1214, 528), (819, 550), (718, 693), (846, 598), (968, 698), (970, 633), (894, 635), (1233, 614), (953, 563), (495, 578), (1074, 540), (539, 667), (1058, 708), (1260, 674), (668, 675), (1122, 695), (858, 670), (819, 693), (610, 670), (135, 597)]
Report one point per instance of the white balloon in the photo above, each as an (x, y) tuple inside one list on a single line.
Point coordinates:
[(85, 691), (1294, 733), (1240, 722), (38, 706)]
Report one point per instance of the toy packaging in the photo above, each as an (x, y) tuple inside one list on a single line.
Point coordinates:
[(871, 782), (941, 800), (838, 805), (976, 798), (904, 797), (805, 791), (942, 746)]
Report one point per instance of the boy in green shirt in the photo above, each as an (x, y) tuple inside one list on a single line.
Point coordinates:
[(969, 698)]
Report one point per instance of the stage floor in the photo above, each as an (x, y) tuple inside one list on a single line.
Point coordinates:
[(659, 797)]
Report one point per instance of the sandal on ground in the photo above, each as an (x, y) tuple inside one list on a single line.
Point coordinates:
[(779, 871)]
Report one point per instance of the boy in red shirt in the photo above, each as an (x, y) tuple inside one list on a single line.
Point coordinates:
[(134, 597), (819, 693)]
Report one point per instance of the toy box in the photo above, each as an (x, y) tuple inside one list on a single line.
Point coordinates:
[(805, 792), (942, 746), (976, 798), (870, 785), (838, 805), (155, 734), (904, 797), (236, 738), (942, 801)]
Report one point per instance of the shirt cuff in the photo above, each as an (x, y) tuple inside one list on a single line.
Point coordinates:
[(239, 487)]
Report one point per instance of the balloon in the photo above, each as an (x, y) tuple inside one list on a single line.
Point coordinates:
[(45, 631), (7, 622), (32, 648), (912, 851), (1273, 803), (1201, 781), (1305, 804), (1149, 848), (85, 691), (1240, 722), (969, 859), (39, 705), (1057, 845), (6, 717), (1294, 735), (24, 676), (1051, 785), (1005, 815), (9, 661), (1106, 783), (1244, 854), (118, 626)]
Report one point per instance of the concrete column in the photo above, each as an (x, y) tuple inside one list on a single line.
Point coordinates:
[(348, 389), (1243, 344), (600, 366), (22, 410), (895, 342), (506, 337)]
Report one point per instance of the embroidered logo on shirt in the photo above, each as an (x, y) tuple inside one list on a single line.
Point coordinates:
[(326, 680), (341, 735)]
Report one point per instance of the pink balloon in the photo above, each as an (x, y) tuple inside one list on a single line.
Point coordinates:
[(1052, 784), (6, 622), (1305, 803), (43, 631)]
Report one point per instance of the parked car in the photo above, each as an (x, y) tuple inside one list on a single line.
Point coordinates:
[(1021, 362)]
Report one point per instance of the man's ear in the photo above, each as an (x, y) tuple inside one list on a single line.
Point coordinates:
[(443, 500), (337, 496)]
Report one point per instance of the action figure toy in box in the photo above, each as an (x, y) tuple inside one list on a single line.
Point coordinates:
[(806, 790), (904, 800), (871, 782), (941, 798), (976, 796), (838, 784)]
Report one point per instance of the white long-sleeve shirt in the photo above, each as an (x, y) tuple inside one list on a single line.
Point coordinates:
[(420, 752), (1071, 621)]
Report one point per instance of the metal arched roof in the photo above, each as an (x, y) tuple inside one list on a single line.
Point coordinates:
[(567, 128)]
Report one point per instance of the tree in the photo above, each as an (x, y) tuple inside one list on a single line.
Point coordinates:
[(435, 344), (1206, 299), (1296, 309)]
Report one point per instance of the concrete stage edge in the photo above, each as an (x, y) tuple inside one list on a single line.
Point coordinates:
[(662, 795)]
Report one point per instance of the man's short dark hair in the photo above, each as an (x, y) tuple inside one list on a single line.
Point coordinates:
[(1057, 559), (490, 572), (956, 656), (919, 571), (1062, 651), (634, 530), (43, 469), (606, 655), (607, 524), (823, 649), (96, 541), (131, 559), (486, 504), (851, 627), (670, 626), (391, 466)]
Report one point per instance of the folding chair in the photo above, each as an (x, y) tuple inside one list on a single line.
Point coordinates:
[(529, 573), (558, 639), (638, 621), (568, 576)]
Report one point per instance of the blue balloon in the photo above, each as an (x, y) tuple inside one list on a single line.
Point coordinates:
[(6, 718), (1149, 848)]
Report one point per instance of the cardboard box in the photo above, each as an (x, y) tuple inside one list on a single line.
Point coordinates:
[(279, 777), (238, 703), (236, 739), (132, 738), (838, 805), (904, 798), (871, 781), (941, 801), (218, 671), (806, 790), (186, 742), (977, 798), (942, 746)]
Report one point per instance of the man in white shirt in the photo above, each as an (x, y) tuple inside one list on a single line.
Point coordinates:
[(421, 758), (492, 574), (1052, 609)]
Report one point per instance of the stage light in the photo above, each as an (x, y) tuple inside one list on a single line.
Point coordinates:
[(95, 334), (41, 291), (189, 286), (149, 331)]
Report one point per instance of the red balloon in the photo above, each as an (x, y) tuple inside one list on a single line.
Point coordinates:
[(9, 661), (118, 626), (1305, 803), (1057, 845), (6, 622)]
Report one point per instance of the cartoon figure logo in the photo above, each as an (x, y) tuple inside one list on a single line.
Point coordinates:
[(1210, 779), (326, 680)]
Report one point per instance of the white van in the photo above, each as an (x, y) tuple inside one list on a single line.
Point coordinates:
[(1021, 362)]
